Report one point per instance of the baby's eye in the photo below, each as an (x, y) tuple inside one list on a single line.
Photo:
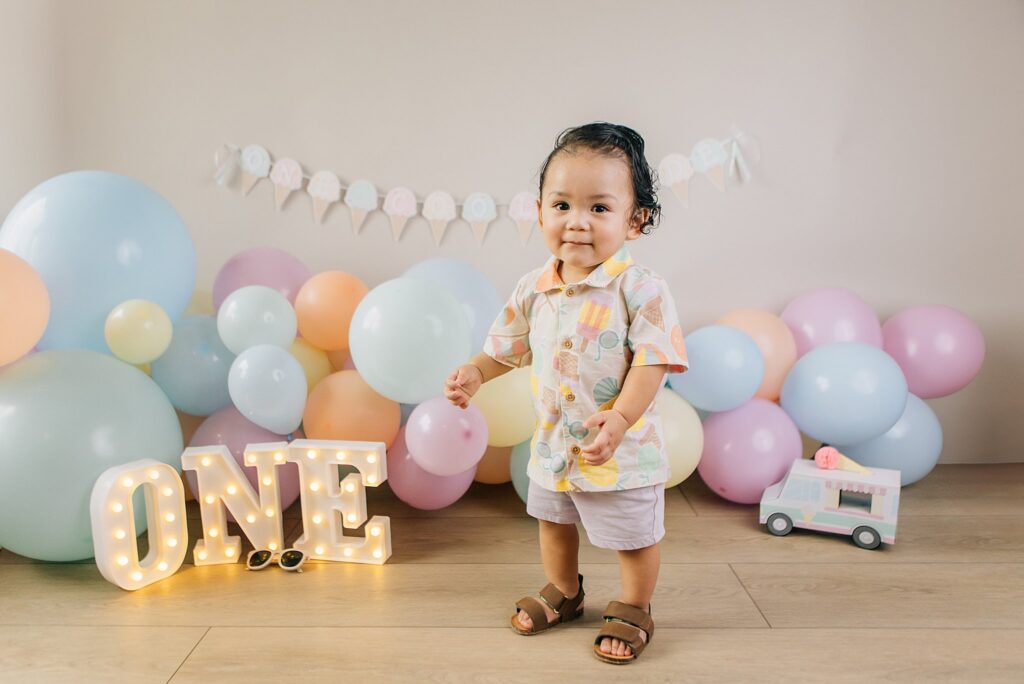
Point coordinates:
[(561, 205), (600, 208)]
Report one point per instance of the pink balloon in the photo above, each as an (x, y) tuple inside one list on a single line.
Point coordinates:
[(235, 431), (939, 349), (273, 268), (419, 488), (747, 450), (831, 315), (444, 439)]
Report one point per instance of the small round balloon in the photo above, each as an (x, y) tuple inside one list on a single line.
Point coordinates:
[(267, 266), (444, 439), (683, 435), (406, 337), (507, 405), (845, 392), (314, 361), (912, 446), (98, 239), (775, 340), (256, 315), (343, 406), (939, 349), (420, 488), (193, 372), (138, 331), (268, 387), (726, 369), (324, 308), (24, 307), (830, 315), (470, 287)]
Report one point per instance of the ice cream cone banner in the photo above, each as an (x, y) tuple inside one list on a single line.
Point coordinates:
[(320, 207), (830, 458), (479, 230), (525, 228), (682, 191), (358, 217), (738, 169), (248, 182), (281, 195), (437, 227), (225, 159), (398, 225), (717, 177), (847, 463)]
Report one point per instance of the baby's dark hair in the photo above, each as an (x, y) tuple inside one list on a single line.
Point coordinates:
[(618, 141)]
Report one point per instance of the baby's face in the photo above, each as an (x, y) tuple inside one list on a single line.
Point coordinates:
[(586, 210)]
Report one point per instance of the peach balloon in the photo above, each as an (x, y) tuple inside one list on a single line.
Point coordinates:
[(775, 340), (324, 308), (343, 406), (494, 467), (24, 307)]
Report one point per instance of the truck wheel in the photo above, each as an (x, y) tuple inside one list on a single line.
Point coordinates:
[(866, 538), (779, 524)]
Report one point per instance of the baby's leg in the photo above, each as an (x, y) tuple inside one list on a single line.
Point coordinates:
[(559, 550), (639, 572)]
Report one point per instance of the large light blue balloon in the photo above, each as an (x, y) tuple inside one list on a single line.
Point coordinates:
[(66, 416), (406, 336), (470, 287), (253, 315), (520, 459), (268, 386), (193, 372), (98, 239), (726, 368), (912, 446), (844, 392)]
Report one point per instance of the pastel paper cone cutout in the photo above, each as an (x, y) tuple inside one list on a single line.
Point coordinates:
[(738, 168), (681, 190), (320, 207), (398, 225), (248, 182), (281, 193), (437, 227), (358, 217), (716, 175), (525, 228), (479, 230), (847, 463)]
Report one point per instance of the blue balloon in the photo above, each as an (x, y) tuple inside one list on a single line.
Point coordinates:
[(98, 239), (268, 386), (193, 372), (912, 446), (844, 392), (406, 336), (470, 287), (520, 459), (726, 369), (66, 416)]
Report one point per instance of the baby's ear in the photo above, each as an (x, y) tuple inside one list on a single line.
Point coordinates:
[(637, 223)]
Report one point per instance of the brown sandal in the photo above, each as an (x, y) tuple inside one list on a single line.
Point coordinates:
[(567, 609), (625, 623)]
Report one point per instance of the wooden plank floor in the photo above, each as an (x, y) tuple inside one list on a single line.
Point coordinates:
[(733, 604)]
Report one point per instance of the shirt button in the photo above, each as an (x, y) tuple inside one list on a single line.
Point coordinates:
[(570, 292), (567, 344), (575, 449), (570, 397)]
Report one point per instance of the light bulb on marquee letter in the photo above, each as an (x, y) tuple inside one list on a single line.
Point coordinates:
[(113, 523)]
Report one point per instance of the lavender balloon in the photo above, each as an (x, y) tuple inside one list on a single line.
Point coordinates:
[(267, 266), (747, 450), (831, 315), (444, 439), (939, 349), (419, 488)]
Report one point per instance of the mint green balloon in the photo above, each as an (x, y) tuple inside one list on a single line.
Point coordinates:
[(66, 416), (520, 459)]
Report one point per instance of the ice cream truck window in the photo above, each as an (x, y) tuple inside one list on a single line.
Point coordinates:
[(801, 489), (857, 500)]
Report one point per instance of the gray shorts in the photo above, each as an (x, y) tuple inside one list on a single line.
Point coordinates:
[(619, 520)]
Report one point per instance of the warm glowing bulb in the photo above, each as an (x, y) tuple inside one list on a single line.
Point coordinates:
[(315, 486), (205, 461), (250, 518), (377, 553), (162, 566), (371, 459), (371, 479), (317, 519), (169, 517), (213, 532), (122, 560), (319, 550), (172, 542), (310, 454), (375, 531), (268, 480), (167, 491), (127, 482), (350, 487), (202, 555), (117, 508), (229, 551), (232, 489), (137, 576), (352, 517), (250, 458), (154, 474), (272, 546), (210, 498), (348, 552), (269, 512), (278, 457), (340, 455)]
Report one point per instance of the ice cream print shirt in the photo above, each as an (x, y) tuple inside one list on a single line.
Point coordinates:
[(580, 339)]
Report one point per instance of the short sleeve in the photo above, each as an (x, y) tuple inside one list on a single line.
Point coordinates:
[(508, 341), (654, 334)]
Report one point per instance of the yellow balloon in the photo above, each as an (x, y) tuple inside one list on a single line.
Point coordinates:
[(314, 362), (137, 331), (684, 435), (507, 405), (201, 303)]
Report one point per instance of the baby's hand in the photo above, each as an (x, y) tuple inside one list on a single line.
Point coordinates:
[(613, 427), (462, 384)]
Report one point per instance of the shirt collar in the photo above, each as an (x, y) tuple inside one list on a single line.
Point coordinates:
[(599, 277)]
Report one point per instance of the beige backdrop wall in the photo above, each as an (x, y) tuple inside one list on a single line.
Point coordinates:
[(892, 134)]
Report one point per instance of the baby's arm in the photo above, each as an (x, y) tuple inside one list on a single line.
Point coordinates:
[(638, 392), (465, 380)]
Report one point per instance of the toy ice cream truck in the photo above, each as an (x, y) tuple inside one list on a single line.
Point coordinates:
[(833, 493)]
